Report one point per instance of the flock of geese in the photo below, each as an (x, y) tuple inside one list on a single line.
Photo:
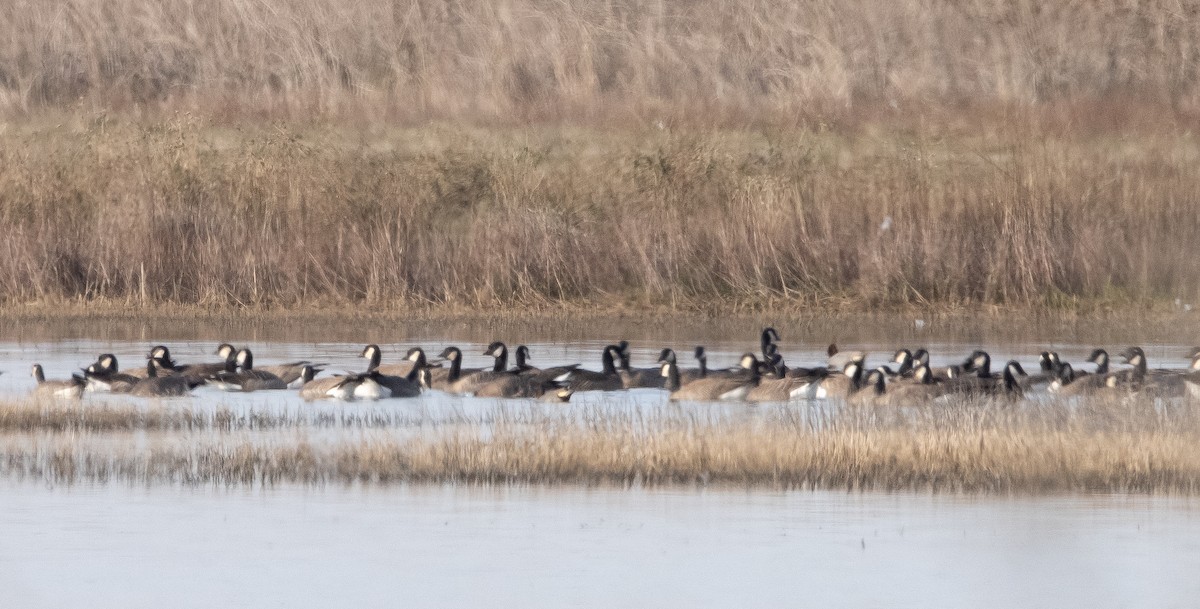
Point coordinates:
[(758, 377)]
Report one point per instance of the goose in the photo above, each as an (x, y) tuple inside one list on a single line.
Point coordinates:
[(328, 388), (1049, 363), (607, 379), (1071, 383), (516, 386), (769, 337), (246, 377), (904, 358), (834, 385), (469, 384), (560, 395), (105, 375), (940, 374), (523, 368), (686, 375), (923, 387), (874, 391), (375, 385), (72, 389), (162, 354), (375, 362), (1192, 379), (634, 378), (778, 387), (710, 388), (806, 374), (445, 376), (1100, 358), (1161, 383), (155, 385)]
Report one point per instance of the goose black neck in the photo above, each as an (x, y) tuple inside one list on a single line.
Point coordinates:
[(607, 359), (501, 356), (522, 358), (672, 377), (455, 364), (420, 364)]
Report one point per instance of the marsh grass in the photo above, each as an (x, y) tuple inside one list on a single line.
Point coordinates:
[(712, 154), (520, 60), (455, 218), (1106, 445)]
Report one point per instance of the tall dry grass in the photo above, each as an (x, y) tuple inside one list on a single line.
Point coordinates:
[(553, 59), (692, 154), (181, 212), (1106, 446)]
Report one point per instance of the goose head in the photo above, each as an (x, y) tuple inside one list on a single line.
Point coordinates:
[(374, 356), (245, 359)]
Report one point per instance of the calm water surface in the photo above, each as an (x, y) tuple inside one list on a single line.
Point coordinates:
[(434, 546), (524, 547)]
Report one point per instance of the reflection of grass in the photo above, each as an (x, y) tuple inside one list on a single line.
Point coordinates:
[(1122, 446), (706, 219)]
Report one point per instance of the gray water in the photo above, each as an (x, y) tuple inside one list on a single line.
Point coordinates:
[(529, 547), (442, 546)]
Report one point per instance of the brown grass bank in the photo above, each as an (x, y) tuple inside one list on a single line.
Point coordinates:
[(518, 60), (181, 212), (972, 447)]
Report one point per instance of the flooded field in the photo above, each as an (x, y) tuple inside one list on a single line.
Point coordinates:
[(616, 499)]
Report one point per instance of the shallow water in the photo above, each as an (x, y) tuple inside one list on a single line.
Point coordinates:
[(528, 547), (435, 546)]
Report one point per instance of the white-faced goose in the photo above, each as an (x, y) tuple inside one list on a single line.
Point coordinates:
[(71, 389)]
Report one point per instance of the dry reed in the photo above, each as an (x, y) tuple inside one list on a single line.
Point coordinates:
[(182, 214), (1110, 446), (703, 154), (543, 59)]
